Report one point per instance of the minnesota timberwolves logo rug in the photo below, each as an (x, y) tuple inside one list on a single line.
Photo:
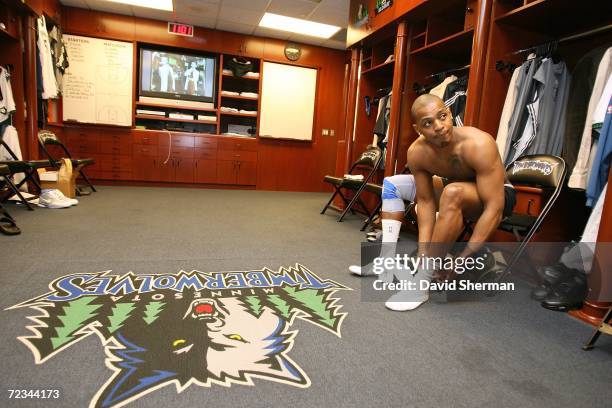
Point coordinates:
[(190, 328)]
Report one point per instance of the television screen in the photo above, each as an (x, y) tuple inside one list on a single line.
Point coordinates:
[(177, 75)]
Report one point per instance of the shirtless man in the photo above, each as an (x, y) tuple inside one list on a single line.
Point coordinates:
[(457, 172)]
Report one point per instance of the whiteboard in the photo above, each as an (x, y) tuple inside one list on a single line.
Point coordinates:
[(287, 101), (97, 86)]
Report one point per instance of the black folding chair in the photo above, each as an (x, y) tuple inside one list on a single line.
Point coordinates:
[(8, 226), (47, 138), (366, 165), (15, 166), (545, 172)]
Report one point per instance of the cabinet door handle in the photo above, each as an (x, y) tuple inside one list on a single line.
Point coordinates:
[(529, 203)]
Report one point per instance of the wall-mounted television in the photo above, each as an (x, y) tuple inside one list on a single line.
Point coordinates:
[(177, 75)]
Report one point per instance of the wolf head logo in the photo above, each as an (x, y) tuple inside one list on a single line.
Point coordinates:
[(157, 331)]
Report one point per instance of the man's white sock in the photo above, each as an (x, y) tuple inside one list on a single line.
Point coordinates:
[(391, 230)]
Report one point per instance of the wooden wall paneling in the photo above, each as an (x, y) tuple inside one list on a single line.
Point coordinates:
[(12, 57), (595, 306), (99, 24), (31, 118), (376, 21), (351, 107), (397, 90), (478, 60)]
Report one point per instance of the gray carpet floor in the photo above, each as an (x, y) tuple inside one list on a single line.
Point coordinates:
[(504, 352)]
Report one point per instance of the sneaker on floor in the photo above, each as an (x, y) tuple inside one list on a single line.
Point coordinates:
[(398, 302), (49, 199), (72, 201), (359, 271)]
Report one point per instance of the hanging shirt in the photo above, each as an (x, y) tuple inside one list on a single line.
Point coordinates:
[(502, 131), (545, 125), (579, 174), (524, 86), (382, 118), (438, 90), (44, 51), (7, 103), (59, 56), (11, 138), (602, 159), (581, 88), (455, 96)]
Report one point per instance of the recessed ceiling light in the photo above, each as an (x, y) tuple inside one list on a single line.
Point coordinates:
[(297, 25), (155, 4)]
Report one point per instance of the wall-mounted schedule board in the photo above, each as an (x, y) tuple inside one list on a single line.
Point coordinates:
[(288, 101), (97, 86)]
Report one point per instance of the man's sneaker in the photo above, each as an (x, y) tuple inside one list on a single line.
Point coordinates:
[(398, 302), (358, 270), (72, 201), (50, 199)]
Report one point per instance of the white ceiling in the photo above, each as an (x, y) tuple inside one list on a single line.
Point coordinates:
[(240, 16)]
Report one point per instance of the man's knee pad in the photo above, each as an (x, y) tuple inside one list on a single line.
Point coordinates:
[(391, 196), (396, 189)]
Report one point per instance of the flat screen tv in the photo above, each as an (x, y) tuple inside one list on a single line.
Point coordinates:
[(172, 74)]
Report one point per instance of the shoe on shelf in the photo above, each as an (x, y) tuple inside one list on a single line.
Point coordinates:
[(50, 199), (398, 302)]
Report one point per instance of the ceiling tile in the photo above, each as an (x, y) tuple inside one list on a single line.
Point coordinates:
[(199, 8), (234, 27), (292, 8), (259, 5), (110, 7), (329, 15), (248, 17)]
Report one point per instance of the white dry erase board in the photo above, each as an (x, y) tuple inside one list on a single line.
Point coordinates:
[(287, 101), (97, 86)]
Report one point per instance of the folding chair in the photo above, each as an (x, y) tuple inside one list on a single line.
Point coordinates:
[(366, 165), (15, 166), (8, 226), (547, 174), (46, 138)]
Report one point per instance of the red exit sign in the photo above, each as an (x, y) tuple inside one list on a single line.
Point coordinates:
[(180, 29)]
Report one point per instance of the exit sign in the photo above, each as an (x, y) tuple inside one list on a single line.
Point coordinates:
[(180, 29)]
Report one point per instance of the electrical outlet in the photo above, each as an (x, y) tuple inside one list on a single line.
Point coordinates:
[(332, 132), (324, 132)]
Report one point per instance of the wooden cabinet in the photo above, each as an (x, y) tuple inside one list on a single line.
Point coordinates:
[(145, 162), (114, 155), (237, 162), (205, 160)]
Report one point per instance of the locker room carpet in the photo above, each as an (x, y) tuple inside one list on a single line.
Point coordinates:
[(506, 352)]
